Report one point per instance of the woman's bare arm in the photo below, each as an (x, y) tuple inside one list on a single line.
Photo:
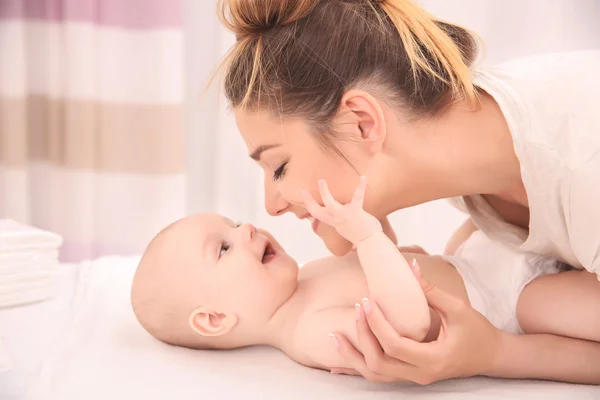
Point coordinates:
[(459, 237)]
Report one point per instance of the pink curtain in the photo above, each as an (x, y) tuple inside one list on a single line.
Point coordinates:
[(91, 136)]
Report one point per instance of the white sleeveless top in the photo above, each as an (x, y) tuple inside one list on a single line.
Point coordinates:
[(552, 106)]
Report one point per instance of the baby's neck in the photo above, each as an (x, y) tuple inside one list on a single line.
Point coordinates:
[(281, 327)]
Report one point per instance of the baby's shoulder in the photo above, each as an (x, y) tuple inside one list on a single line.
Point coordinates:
[(326, 265), (313, 345)]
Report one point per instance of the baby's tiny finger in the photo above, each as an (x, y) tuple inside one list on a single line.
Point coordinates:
[(328, 199), (311, 205), (315, 209), (359, 194)]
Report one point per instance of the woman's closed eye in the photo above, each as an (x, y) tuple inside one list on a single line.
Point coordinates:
[(279, 172)]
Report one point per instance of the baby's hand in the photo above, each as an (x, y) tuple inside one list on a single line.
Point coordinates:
[(350, 220)]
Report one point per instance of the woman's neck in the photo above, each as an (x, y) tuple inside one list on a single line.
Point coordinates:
[(458, 154)]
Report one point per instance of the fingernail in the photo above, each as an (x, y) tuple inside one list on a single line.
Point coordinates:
[(357, 307), (335, 340), (366, 305), (415, 267)]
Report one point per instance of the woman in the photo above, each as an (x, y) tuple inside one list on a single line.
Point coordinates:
[(336, 89)]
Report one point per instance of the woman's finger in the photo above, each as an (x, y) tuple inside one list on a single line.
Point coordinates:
[(405, 350), (416, 270), (356, 361), (359, 194), (345, 371), (315, 209), (368, 341), (374, 355), (446, 305), (328, 199), (378, 325)]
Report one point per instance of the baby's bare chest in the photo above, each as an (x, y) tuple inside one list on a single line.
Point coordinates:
[(333, 282)]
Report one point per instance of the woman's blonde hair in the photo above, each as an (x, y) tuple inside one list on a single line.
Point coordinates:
[(299, 57)]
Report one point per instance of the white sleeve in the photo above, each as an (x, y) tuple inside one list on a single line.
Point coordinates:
[(584, 214)]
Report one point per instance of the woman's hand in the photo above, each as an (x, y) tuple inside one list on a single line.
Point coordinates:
[(467, 345)]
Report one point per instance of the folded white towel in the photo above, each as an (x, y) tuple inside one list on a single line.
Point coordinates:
[(28, 263), (16, 237)]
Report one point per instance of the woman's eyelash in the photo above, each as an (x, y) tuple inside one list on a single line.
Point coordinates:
[(279, 172)]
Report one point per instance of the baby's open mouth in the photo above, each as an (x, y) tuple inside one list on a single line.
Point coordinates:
[(269, 253)]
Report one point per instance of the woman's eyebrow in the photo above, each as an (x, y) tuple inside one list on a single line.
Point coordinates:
[(255, 155)]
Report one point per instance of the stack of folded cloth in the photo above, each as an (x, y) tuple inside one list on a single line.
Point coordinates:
[(28, 263)]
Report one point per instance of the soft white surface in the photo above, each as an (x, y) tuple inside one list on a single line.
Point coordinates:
[(107, 355), (29, 331)]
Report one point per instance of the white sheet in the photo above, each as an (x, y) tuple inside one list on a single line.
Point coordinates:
[(107, 355), (30, 330)]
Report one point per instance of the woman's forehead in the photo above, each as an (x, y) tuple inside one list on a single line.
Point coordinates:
[(262, 131)]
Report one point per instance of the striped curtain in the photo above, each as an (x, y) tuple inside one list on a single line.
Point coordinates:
[(91, 136)]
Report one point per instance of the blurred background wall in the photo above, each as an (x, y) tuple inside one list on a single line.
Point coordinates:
[(107, 132)]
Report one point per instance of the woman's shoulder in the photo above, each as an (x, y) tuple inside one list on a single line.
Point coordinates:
[(537, 66), (543, 81), (550, 103)]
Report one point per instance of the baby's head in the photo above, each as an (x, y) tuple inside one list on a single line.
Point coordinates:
[(207, 282)]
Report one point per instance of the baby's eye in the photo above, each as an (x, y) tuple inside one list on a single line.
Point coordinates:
[(223, 250)]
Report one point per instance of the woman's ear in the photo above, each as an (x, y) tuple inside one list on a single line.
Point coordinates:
[(206, 322), (367, 118)]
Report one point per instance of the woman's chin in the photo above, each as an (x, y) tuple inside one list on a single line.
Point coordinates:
[(336, 244)]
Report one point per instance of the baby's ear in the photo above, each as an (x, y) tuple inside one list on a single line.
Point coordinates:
[(207, 322)]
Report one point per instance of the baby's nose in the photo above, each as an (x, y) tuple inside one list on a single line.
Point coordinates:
[(247, 230)]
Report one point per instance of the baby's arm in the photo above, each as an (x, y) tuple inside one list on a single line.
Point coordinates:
[(318, 350), (390, 280), (339, 246), (393, 286)]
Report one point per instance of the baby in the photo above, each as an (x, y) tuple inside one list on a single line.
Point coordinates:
[(205, 282)]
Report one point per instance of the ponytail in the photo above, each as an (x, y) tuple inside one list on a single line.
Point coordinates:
[(431, 51)]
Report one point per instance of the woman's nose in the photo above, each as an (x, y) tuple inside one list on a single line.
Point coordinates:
[(275, 204)]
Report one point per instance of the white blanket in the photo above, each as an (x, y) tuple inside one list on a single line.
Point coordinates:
[(107, 355)]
